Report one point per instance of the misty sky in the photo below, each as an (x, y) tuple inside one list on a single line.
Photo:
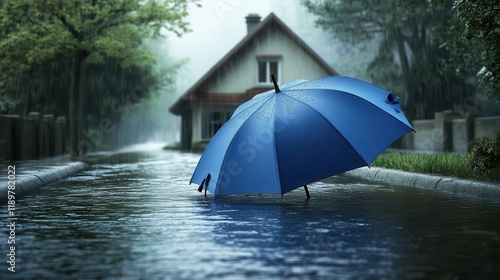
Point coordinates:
[(219, 25)]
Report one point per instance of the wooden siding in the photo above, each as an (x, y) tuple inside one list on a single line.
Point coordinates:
[(240, 74)]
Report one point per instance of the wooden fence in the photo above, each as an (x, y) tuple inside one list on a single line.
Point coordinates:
[(32, 137), (44, 136)]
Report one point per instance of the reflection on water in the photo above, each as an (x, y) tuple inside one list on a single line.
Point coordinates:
[(133, 216)]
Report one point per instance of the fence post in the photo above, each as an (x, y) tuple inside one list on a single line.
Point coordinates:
[(32, 137), (5, 138), (35, 117), (469, 128), (443, 131), (448, 131), (60, 135), (9, 135), (47, 136), (28, 141)]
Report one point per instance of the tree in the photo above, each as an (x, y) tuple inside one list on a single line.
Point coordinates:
[(83, 32), (407, 58), (482, 22)]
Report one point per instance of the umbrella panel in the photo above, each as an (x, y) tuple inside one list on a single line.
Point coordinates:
[(310, 148), (369, 128), (250, 159)]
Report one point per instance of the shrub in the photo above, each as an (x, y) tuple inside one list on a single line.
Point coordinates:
[(196, 146), (484, 154), (173, 146)]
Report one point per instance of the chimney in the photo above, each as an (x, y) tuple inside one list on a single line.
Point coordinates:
[(252, 21)]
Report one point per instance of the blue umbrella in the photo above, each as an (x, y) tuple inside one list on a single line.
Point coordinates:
[(304, 132)]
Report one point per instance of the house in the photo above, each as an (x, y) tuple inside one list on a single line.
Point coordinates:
[(269, 47)]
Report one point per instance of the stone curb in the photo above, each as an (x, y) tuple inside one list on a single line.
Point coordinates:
[(32, 180), (424, 181)]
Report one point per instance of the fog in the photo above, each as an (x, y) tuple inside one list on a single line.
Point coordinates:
[(219, 25)]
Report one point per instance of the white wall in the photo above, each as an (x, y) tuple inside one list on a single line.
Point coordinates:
[(429, 137), (239, 75)]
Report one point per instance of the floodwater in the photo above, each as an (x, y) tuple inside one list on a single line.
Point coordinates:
[(134, 216)]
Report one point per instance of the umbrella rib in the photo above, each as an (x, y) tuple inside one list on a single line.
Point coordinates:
[(276, 154), (264, 100), (329, 123)]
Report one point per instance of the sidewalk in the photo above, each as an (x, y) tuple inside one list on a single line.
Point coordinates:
[(33, 174), (425, 181)]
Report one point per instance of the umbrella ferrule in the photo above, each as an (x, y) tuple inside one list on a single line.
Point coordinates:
[(276, 88)]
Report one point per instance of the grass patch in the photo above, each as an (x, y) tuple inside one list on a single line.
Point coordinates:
[(446, 164), (195, 146), (173, 146)]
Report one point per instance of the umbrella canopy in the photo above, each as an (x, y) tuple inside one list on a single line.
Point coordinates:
[(304, 132)]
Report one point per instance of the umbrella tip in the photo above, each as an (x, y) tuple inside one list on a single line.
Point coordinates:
[(276, 88)]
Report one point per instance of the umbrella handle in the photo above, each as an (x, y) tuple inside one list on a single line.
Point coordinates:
[(205, 182), (200, 188)]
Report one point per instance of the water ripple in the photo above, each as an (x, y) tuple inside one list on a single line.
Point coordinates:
[(134, 216)]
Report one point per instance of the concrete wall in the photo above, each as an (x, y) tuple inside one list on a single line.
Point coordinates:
[(423, 138), (487, 126), (447, 133), (32, 137)]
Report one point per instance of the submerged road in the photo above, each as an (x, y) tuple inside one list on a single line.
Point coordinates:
[(134, 216)]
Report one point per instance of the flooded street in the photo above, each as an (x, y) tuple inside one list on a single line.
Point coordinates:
[(134, 216)]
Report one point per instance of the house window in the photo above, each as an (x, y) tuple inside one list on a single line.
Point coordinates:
[(266, 67), (213, 121)]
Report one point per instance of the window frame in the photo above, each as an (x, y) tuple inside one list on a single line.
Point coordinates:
[(208, 122), (268, 60)]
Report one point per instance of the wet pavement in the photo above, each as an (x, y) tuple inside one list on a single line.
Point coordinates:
[(133, 216), (33, 174)]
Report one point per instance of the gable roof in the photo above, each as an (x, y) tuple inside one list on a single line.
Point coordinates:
[(176, 108)]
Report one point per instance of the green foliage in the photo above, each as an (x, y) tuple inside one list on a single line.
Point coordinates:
[(196, 146), (350, 21), (482, 22), (443, 164), (484, 154), (173, 146), (447, 164), (51, 42), (409, 61), (463, 55), (39, 30)]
